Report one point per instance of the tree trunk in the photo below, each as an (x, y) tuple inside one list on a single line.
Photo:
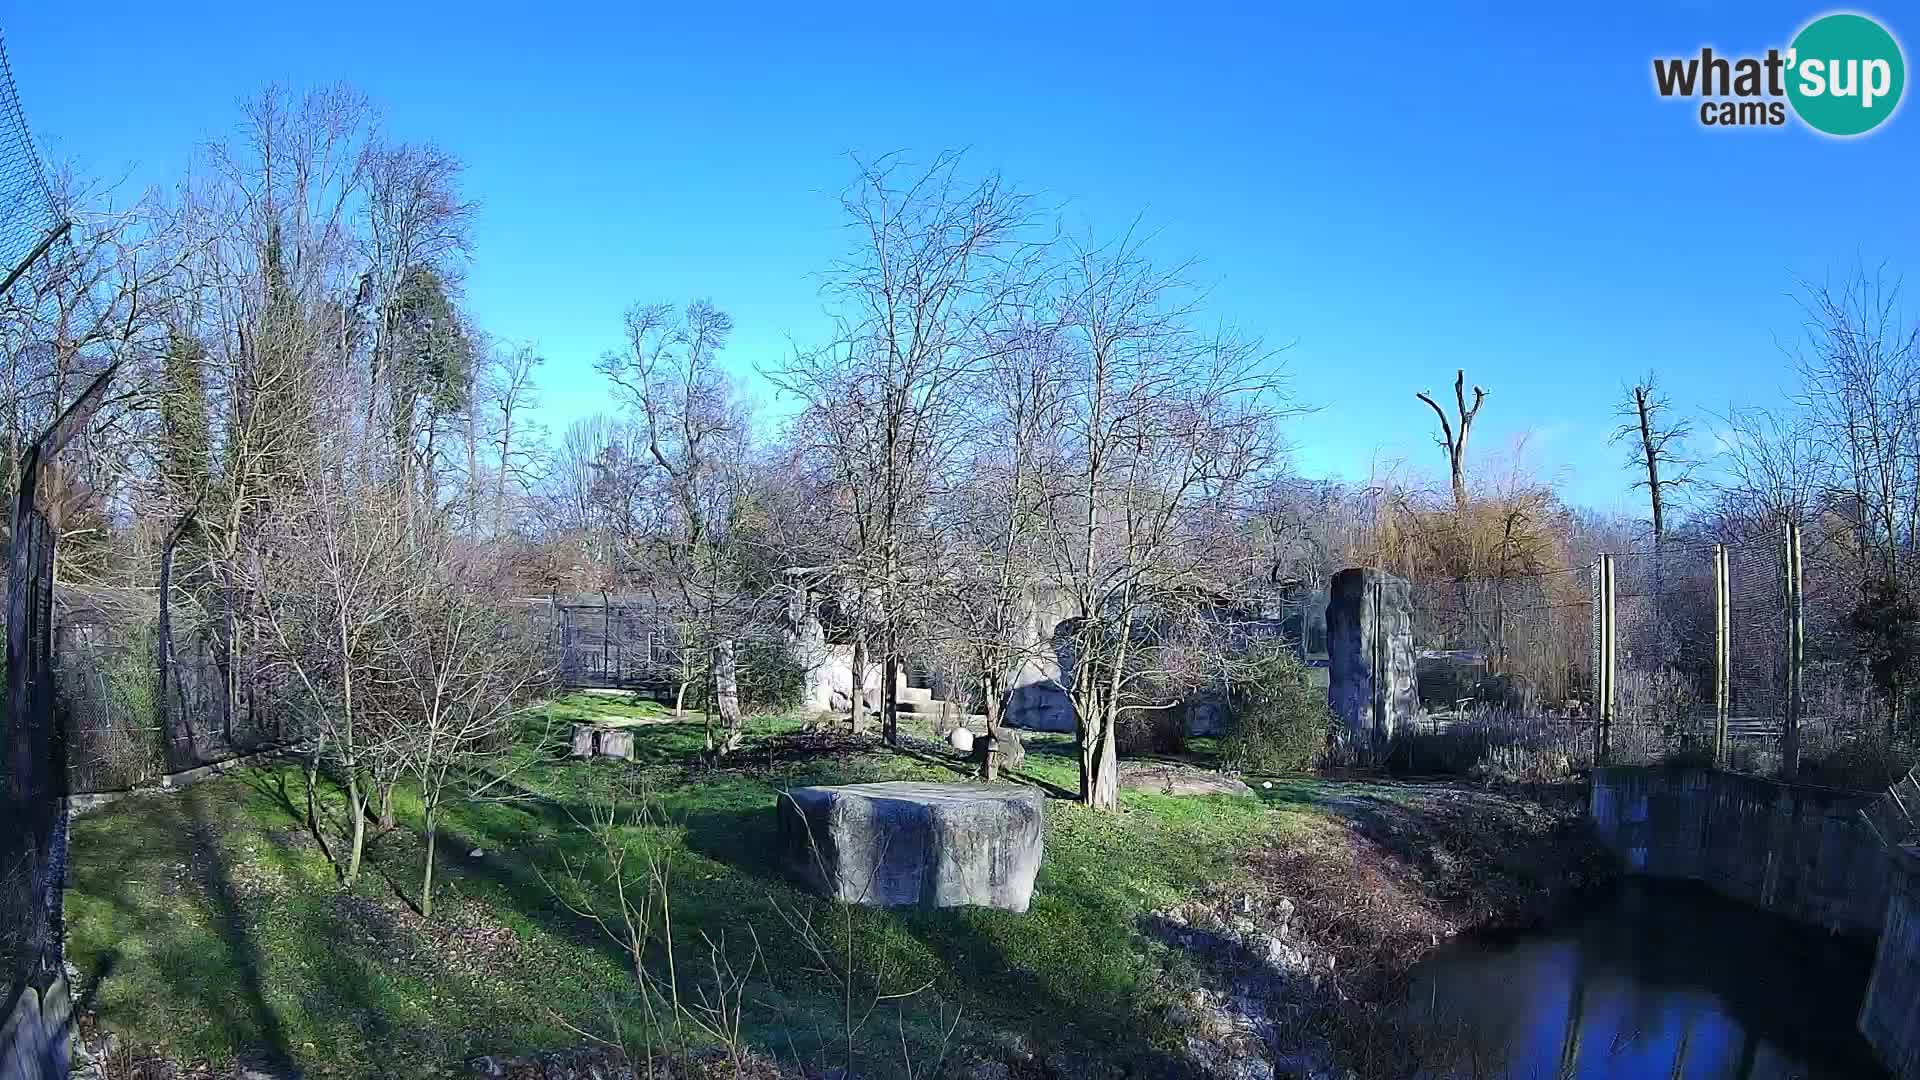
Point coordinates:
[(357, 813), (313, 802), (1104, 787), (386, 806), (680, 698), (726, 692), (857, 718), (163, 649), (1652, 457), (426, 874), (889, 691), (473, 462)]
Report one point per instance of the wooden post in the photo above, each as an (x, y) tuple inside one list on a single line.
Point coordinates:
[(1722, 654), (1603, 675), (1796, 659)]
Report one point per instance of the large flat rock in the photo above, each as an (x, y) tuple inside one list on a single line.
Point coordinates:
[(907, 843)]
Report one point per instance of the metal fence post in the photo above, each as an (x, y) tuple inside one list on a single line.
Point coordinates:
[(1603, 674), (1722, 654), (1796, 658)]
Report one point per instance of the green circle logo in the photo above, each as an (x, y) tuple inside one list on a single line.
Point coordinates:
[(1845, 74)]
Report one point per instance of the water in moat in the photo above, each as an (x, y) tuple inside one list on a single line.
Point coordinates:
[(1652, 979)]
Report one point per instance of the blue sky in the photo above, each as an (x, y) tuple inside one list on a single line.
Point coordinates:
[(1399, 190)]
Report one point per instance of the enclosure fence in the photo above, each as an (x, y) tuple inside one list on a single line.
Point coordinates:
[(1737, 652), (29, 217), (222, 700)]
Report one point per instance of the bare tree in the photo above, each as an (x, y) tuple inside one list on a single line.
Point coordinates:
[(1859, 367), (333, 570), (457, 664), (1165, 430), (936, 262), (1454, 443), (510, 394), (996, 554), (694, 431), (1773, 469), (1658, 452)]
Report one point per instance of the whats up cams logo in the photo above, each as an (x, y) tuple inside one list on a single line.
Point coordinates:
[(1842, 76)]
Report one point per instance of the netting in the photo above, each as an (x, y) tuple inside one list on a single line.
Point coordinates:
[(28, 212), (1664, 647), (637, 644), (1757, 644), (121, 735), (1521, 642), (1530, 647)]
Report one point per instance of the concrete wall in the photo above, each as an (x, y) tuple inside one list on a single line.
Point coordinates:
[(1369, 646), (1890, 1018), (35, 1037), (1804, 852), (1799, 851)]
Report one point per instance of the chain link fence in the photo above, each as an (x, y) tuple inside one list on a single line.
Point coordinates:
[(1681, 651), (221, 701)]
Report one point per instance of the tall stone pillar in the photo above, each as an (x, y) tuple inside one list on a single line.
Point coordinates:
[(1370, 660)]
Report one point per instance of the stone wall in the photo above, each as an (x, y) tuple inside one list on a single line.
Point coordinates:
[(1370, 659), (1890, 1018), (1800, 851), (36, 1037), (1037, 693), (1804, 852)]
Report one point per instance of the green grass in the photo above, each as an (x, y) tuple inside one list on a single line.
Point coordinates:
[(217, 928)]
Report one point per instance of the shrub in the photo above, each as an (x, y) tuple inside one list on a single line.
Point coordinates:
[(1862, 762), (769, 677), (1278, 721), (1143, 728), (1492, 745), (110, 695)]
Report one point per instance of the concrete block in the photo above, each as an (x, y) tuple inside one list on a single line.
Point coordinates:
[(1370, 659), (907, 843)]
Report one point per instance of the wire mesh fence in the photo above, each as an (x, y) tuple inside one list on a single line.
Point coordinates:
[(1683, 650), (1520, 642), (637, 644), (221, 700), (28, 212), (1664, 622)]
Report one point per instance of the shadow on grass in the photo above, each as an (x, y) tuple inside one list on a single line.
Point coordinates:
[(1062, 974), (236, 933), (152, 874)]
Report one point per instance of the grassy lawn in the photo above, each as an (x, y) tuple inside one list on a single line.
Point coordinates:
[(215, 929)]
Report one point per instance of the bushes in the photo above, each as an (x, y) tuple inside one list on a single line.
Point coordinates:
[(111, 696), (1148, 727), (1279, 723), (769, 676), (1492, 745)]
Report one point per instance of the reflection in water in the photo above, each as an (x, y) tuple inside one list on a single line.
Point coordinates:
[(1656, 979)]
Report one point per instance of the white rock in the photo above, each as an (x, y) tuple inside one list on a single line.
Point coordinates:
[(475, 853), (1268, 784), (961, 740)]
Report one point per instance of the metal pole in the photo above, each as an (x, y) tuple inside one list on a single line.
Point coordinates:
[(33, 256), (1604, 678), (1722, 654), (1796, 658)]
